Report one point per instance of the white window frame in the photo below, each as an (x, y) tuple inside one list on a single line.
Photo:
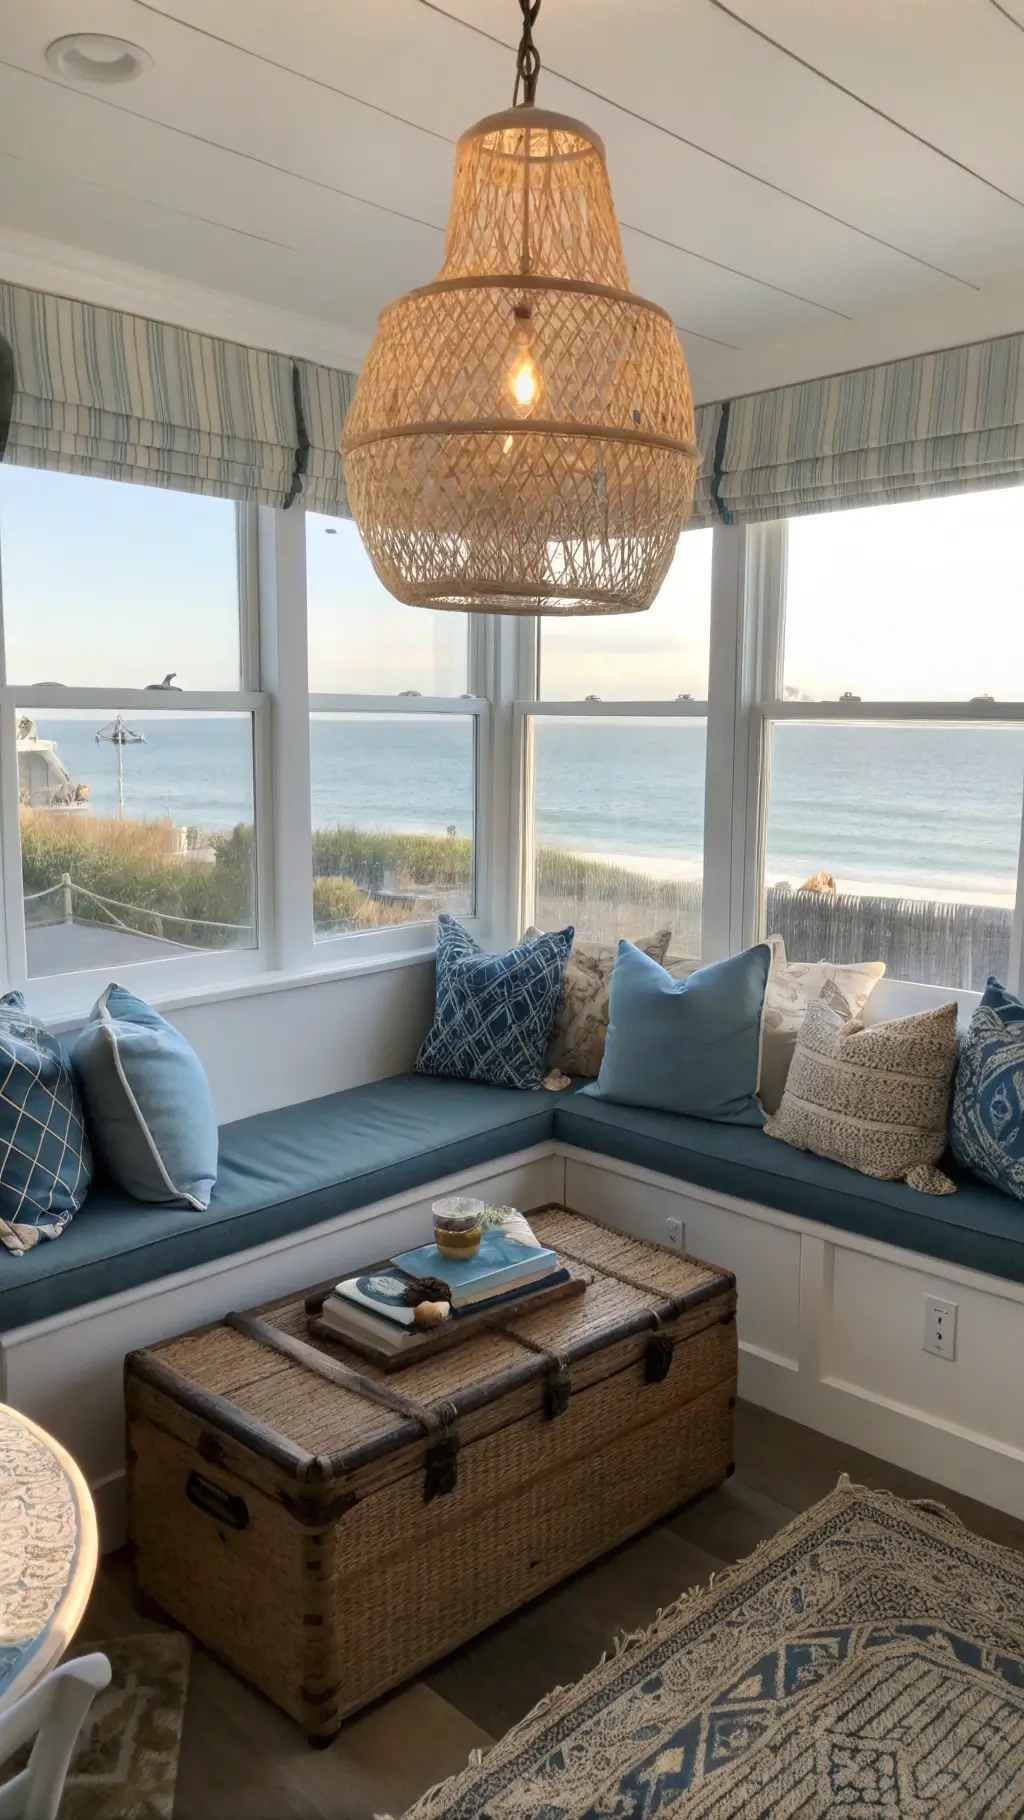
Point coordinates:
[(518, 908), (762, 640), (745, 699), (284, 658), (63, 994)]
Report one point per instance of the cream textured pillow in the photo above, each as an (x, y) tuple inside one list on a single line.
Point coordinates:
[(876, 1099), (581, 1021), (792, 986)]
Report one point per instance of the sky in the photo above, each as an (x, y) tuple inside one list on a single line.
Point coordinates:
[(107, 584)]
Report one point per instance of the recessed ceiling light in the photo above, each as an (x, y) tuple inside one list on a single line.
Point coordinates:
[(95, 57)]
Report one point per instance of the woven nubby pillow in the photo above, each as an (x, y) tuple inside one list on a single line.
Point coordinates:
[(874, 1098)]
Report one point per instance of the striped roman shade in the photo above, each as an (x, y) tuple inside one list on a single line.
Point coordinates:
[(323, 395), (101, 393), (938, 423), (708, 418)]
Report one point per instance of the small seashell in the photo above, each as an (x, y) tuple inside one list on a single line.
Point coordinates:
[(431, 1314), (556, 1081)]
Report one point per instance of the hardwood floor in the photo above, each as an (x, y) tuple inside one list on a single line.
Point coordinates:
[(243, 1760)]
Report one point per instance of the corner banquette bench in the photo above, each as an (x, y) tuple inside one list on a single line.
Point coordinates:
[(831, 1266)]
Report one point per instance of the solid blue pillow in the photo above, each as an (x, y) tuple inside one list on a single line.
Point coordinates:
[(690, 1046), (493, 1013), (45, 1163), (987, 1119), (147, 1102)]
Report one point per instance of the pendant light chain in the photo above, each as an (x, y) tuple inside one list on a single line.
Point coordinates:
[(527, 56)]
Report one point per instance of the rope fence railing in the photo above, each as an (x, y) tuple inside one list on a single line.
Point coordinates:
[(68, 888)]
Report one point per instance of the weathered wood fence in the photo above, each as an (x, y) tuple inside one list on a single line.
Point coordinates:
[(938, 943)]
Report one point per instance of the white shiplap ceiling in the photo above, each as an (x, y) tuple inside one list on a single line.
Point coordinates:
[(779, 166)]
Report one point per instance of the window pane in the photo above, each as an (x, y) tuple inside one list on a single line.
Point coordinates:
[(364, 642), (107, 584), (619, 828), (652, 656), (393, 801), (918, 827), (919, 602), (136, 836)]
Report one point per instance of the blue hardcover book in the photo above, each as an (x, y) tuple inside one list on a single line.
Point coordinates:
[(501, 1264)]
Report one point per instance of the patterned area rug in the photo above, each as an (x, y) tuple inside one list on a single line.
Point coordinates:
[(868, 1661), (125, 1763)]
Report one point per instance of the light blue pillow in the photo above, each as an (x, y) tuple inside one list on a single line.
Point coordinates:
[(44, 1153), (987, 1121), (494, 1012), (690, 1046), (147, 1102)]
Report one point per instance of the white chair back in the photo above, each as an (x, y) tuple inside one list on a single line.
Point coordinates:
[(52, 1714)]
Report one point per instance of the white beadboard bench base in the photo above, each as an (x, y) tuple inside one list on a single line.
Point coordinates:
[(830, 1325)]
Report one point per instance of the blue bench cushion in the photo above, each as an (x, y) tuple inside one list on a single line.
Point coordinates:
[(978, 1226), (279, 1172), (287, 1170)]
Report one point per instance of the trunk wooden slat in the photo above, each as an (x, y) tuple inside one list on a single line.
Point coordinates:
[(328, 1547)]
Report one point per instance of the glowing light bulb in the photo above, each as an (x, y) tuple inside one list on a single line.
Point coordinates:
[(523, 381)]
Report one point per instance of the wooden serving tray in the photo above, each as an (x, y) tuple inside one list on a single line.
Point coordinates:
[(451, 1332)]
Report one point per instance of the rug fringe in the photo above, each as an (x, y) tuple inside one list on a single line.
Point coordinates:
[(666, 1618), (932, 1506)]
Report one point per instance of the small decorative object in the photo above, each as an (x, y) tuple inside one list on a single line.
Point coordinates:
[(555, 1081), (500, 1216), (431, 1314), (458, 1225), (521, 438)]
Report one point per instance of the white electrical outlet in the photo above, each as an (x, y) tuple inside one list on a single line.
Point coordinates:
[(940, 1327), (676, 1234)]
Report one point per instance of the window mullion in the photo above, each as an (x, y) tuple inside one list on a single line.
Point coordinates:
[(15, 946), (725, 780), (507, 673), (247, 539), (747, 606), (285, 813)]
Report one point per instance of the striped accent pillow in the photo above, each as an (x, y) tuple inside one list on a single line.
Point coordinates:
[(874, 1098)]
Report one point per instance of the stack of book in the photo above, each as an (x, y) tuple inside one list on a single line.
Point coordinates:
[(374, 1309)]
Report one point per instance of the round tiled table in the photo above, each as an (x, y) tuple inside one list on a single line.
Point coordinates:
[(48, 1552)]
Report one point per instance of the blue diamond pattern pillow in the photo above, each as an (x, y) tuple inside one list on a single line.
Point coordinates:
[(987, 1123), (45, 1163), (494, 1012)]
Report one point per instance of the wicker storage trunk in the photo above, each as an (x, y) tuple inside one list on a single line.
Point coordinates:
[(328, 1530)]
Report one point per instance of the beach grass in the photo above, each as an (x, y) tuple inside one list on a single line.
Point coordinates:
[(131, 872)]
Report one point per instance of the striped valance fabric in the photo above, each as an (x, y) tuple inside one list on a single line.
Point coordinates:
[(708, 418), (6, 390), (323, 395), (939, 423), (101, 393)]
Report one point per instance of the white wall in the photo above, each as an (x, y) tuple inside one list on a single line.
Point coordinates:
[(274, 1043), (275, 1048)]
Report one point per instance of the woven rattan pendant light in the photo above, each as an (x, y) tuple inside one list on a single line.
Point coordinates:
[(521, 436)]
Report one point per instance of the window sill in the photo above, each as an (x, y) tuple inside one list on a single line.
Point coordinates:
[(258, 984)]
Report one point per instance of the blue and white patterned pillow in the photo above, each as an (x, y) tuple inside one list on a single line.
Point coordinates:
[(494, 1013), (987, 1123), (45, 1162)]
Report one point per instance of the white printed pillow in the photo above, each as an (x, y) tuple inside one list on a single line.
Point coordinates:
[(876, 1099), (792, 986), (581, 1021)]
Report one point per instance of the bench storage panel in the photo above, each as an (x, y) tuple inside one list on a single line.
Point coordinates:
[(327, 1546)]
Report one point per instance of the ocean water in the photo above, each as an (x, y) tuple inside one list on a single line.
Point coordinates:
[(918, 810)]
